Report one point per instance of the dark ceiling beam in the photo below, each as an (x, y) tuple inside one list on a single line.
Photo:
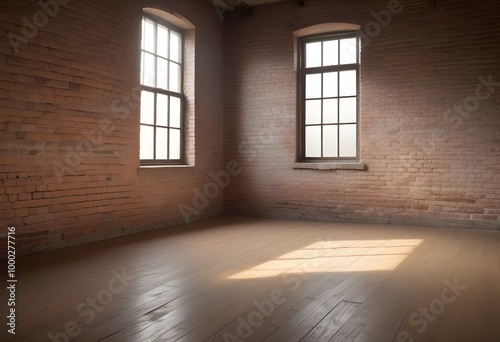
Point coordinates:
[(222, 6), (248, 10), (299, 3)]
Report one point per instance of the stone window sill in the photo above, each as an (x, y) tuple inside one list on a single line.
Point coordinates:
[(159, 168), (358, 166)]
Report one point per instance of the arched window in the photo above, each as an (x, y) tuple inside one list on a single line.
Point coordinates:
[(162, 113), (329, 56)]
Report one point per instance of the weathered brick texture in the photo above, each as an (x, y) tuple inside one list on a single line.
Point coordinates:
[(430, 139), (430, 133), (68, 99)]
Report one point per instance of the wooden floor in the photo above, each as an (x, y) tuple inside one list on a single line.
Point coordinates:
[(248, 279)]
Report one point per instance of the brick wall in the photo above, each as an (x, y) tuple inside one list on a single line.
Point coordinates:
[(430, 142), (69, 124), (69, 146)]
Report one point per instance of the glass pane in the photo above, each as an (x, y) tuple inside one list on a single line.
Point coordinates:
[(313, 141), (313, 55), (147, 107), (348, 83), (162, 73), (330, 141), (175, 144), (149, 70), (348, 110), (142, 67), (175, 77), (348, 51), (161, 143), (175, 46), (330, 85), (330, 111), (143, 39), (175, 112), (313, 86), (348, 141), (162, 110), (149, 36), (313, 112), (331, 53), (147, 145), (162, 41)]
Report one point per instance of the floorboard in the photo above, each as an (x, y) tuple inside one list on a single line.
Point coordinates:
[(262, 280)]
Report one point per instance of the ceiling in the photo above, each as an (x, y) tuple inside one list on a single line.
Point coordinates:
[(259, 2), (229, 5)]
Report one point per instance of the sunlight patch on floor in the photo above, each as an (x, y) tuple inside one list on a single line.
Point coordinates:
[(337, 256)]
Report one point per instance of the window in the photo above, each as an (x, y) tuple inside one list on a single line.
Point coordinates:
[(329, 89), (161, 119)]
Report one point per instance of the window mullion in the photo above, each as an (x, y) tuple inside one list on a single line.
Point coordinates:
[(168, 128), (321, 116), (168, 87), (156, 94), (338, 110), (330, 68), (154, 127)]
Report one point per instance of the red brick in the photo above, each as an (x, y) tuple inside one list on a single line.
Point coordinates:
[(408, 82), (60, 99), (71, 235), (38, 195), (24, 196), (33, 219)]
